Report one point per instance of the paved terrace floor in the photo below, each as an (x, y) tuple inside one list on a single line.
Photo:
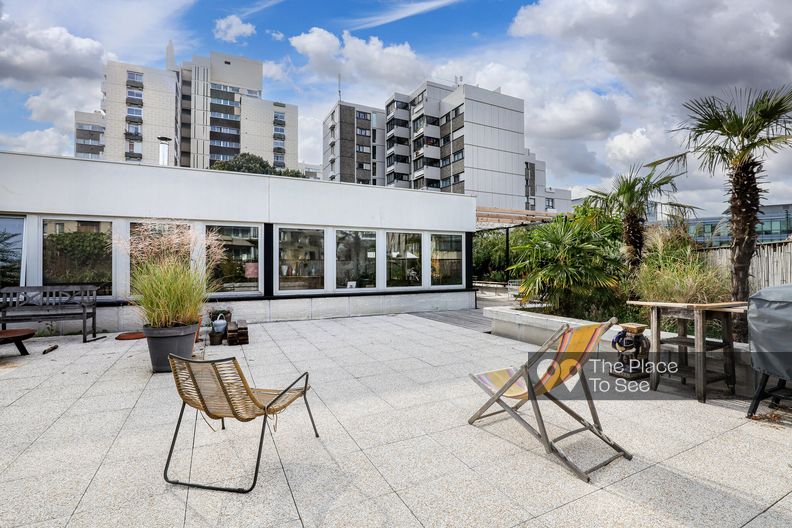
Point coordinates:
[(84, 433)]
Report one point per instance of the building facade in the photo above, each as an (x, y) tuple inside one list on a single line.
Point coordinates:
[(353, 140), (294, 248), (207, 109), (459, 139), (89, 133), (775, 224)]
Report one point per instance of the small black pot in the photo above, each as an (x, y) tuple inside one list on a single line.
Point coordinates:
[(177, 340), (215, 338)]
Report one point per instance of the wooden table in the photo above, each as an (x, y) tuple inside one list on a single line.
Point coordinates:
[(699, 314), (16, 336)]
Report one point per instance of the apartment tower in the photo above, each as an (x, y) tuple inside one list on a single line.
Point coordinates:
[(207, 109), (353, 139)]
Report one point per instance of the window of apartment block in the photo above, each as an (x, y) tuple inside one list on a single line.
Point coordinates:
[(364, 166), (458, 155), (419, 123), (280, 115), (418, 99), (418, 164), (445, 161), (431, 142), (403, 259), (549, 203), (135, 94), (363, 115), (301, 259), (445, 118), (390, 108), (279, 157), (134, 111), (356, 259), (446, 260), (134, 128), (135, 147), (239, 270), (279, 129), (373, 134), (12, 230), (78, 252), (363, 148), (363, 132), (402, 105), (532, 204), (431, 120), (459, 110), (445, 140), (278, 143), (134, 76)]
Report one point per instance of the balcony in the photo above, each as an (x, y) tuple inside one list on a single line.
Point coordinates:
[(278, 135), (138, 85), (399, 167), (332, 142), (278, 150), (133, 136), (134, 101), (279, 164), (399, 131), (430, 151), (133, 155), (279, 122), (134, 119), (399, 149)]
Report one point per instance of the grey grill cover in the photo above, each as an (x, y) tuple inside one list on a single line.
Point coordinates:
[(770, 327)]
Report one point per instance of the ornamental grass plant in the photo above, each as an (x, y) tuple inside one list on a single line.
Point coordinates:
[(170, 272)]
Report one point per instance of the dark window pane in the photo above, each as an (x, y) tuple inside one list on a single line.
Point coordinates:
[(356, 259), (404, 259), (239, 270), (446, 259), (301, 259), (78, 252), (11, 232)]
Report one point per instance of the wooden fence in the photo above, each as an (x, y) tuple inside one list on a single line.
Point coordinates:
[(771, 265)]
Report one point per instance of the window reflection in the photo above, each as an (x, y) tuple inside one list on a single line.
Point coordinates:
[(11, 232), (446, 259), (404, 259), (78, 252), (356, 259), (301, 259), (239, 270)]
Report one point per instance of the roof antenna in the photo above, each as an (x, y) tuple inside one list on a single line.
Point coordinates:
[(339, 86)]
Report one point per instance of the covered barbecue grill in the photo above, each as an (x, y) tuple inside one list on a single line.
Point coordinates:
[(770, 330)]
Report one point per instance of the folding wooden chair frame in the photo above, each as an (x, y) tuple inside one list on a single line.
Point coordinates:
[(541, 434)]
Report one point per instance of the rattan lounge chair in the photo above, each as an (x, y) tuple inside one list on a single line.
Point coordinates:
[(574, 346), (218, 388)]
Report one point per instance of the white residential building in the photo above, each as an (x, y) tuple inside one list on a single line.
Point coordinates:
[(461, 139), (353, 144), (89, 129), (207, 109)]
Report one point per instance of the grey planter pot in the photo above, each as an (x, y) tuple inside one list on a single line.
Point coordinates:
[(178, 340)]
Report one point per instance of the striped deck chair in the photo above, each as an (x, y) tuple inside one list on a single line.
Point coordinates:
[(574, 346)]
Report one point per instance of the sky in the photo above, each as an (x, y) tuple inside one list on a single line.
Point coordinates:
[(603, 80)]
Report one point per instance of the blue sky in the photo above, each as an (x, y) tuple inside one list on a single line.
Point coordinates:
[(603, 80)]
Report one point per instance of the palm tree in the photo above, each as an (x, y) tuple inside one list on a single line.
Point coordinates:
[(567, 263), (630, 198), (734, 134)]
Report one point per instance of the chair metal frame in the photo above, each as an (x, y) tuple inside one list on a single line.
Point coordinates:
[(266, 409), (541, 434)]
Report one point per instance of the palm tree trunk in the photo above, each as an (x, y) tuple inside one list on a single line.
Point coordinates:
[(632, 235), (744, 203)]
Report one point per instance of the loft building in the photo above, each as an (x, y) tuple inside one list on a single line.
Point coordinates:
[(459, 139), (207, 109), (353, 140)]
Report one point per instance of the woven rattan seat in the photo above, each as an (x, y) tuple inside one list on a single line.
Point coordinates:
[(219, 389)]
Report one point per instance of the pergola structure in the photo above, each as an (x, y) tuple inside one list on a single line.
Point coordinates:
[(495, 219)]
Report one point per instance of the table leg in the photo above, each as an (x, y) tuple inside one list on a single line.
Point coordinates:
[(682, 355), (654, 351), (728, 352), (700, 350), (21, 347)]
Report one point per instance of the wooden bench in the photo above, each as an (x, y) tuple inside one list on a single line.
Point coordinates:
[(49, 303)]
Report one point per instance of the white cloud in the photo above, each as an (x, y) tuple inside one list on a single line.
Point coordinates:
[(275, 70), (629, 147), (231, 28), (134, 32), (258, 6), (275, 34), (31, 56), (369, 61), (47, 141), (399, 11)]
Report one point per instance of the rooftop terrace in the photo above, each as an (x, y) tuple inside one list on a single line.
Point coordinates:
[(85, 430)]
